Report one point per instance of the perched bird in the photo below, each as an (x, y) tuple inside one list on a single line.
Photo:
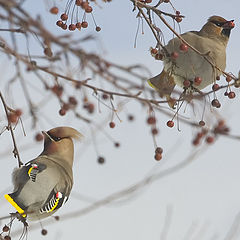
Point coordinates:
[(43, 184), (182, 63)]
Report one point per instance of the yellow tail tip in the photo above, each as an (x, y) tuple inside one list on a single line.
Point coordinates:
[(150, 84), (15, 205)]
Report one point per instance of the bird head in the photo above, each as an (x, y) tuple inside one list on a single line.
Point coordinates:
[(219, 28), (58, 143)]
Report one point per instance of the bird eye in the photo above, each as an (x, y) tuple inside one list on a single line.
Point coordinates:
[(219, 24), (56, 139)]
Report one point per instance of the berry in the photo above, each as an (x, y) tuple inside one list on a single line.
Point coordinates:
[(57, 218), (58, 90), (174, 55), (148, 1), (5, 228), (84, 24), (130, 117), (59, 23), (166, 1), (186, 83), (209, 139), (38, 137), (112, 125), (72, 27), (151, 120), (54, 10), (170, 123), (101, 160), (215, 87), (154, 51), (195, 142), (218, 78), (105, 96), (158, 156), (98, 29), (84, 5), (228, 79), (48, 52), (177, 12), (44, 232), (159, 150), (18, 112), (183, 47), (226, 93), (78, 25), (197, 81), (64, 17), (201, 123), (62, 112), (215, 103), (12, 117), (78, 2), (154, 131), (64, 26), (88, 9), (231, 95), (117, 144), (178, 19), (73, 101), (7, 237), (158, 56)]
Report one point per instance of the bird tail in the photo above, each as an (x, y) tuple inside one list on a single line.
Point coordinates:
[(12, 199)]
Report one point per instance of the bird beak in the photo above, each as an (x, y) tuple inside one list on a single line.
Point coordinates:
[(47, 135), (229, 24)]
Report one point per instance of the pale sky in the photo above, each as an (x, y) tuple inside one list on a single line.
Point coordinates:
[(201, 199)]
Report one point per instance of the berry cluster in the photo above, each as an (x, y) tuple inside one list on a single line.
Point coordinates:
[(5, 230), (73, 8), (220, 128), (158, 154)]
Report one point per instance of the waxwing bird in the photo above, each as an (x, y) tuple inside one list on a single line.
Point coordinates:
[(43, 184), (182, 63)]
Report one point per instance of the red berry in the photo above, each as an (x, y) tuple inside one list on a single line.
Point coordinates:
[(73, 101), (186, 83), (5, 228), (98, 29), (166, 1), (59, 23), (158, 156), (64, 26), (159, 150), (209, 139), (170, 123), (228, 79), (226, 94), (178, 19), (158, 56), (112, 125), (117, 144), (48, 52), (105, 96), (154, 51), (174, 55), (84, 5), (64, 17), (44, 232), (18, 112), (231, 95), (84, 24), (151, 120), (148, 1), (196, 141), (130, 117), (38, 137), (12, 117), (201, 123), (197, 81), (177, 12), (78, 25), (215, 103), (78, 2), (154, 131), (72, 27), (183, 47), (218, 78), (215, 87), (7, 237), (54, 10), (62, 112), (101, 160), (88, 9)]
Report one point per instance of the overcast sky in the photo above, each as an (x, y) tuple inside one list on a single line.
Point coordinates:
[(201, 198)]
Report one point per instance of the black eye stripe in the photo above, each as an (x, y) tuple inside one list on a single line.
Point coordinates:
[(54, 137), (219, 24)]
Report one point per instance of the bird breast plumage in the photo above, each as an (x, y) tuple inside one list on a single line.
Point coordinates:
[(190, 64)]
